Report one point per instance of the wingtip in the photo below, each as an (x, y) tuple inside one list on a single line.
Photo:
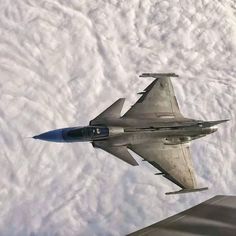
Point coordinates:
[(187, 191), (158, 75), (223, 121)]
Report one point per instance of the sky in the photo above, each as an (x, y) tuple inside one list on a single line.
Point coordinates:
[(62, 63)]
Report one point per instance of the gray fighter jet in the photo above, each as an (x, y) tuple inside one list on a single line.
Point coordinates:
[(153, 127)]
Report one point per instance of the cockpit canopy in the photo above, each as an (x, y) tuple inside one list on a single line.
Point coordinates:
[(87, 133)]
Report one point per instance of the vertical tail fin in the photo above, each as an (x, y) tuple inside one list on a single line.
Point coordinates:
[(112, 111)]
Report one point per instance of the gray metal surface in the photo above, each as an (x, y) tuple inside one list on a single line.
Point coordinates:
[(153, 127), (214, 217), (174, 161), (157, 101)]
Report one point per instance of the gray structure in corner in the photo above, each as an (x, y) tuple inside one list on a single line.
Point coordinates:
[(153, 127), (214, 217)]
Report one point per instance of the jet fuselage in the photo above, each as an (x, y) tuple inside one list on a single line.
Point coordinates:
[(153, 128), (123, 132)]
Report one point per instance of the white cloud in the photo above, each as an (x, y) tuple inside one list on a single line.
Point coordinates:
[(62, 63)]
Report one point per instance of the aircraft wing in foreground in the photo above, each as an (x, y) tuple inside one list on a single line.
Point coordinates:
[(215, 216)]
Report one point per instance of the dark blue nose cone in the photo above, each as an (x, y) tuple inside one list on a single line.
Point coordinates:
[(52, 136)]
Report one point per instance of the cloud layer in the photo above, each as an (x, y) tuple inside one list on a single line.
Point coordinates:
[(62, 63)]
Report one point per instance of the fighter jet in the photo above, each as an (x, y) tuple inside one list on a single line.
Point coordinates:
[(153, 128)]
